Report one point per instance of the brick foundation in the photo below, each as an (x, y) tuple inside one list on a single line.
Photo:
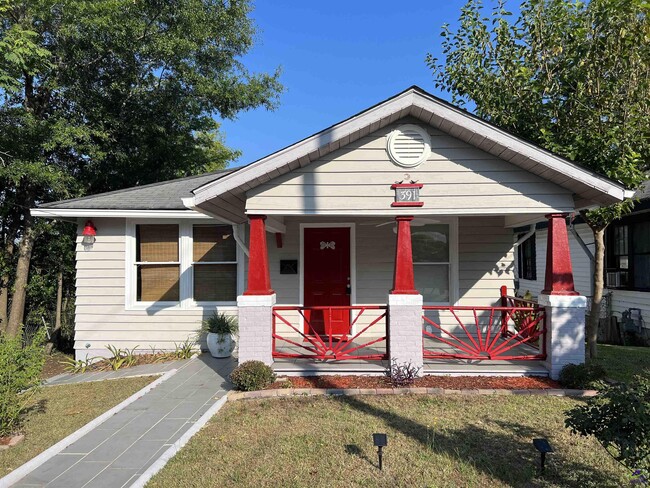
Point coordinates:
[(565, 337), (256, 328)]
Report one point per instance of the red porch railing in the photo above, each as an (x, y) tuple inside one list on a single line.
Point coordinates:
[(307, 339), (515, 330)]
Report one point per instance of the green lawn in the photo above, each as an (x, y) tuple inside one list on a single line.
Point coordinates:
[(58, 411), (623, 362), (326, 441)]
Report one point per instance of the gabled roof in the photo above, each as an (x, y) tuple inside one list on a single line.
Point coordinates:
[(165, 195), (589, 188)]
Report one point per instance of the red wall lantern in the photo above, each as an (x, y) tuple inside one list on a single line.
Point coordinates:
[(89, 233)]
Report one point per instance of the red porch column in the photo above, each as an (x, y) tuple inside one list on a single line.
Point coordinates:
[(259, 278), (403, 283), (559, 272)]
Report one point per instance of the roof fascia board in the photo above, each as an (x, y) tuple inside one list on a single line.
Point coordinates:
[(89, 212), (309, 145), (556, 163)]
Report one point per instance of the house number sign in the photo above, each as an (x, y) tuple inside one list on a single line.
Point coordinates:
[(407, 195)]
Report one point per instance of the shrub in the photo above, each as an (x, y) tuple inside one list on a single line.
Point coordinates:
[(582, 376), (401, 375), (20, 371), (252, 375), (220, 323), (619, 418)]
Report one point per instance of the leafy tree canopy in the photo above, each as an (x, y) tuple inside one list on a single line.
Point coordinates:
[(571, 76), (101, 95)]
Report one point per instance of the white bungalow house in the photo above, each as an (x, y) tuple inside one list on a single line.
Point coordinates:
[(387, 236)]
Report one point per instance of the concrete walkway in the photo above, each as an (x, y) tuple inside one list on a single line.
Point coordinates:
[(119, 450), (142, 370)]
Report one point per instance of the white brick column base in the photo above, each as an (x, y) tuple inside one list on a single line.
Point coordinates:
[(256, 327), (565, 336), (405, 329)]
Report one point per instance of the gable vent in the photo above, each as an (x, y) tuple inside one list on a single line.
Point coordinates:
[(409, 145)]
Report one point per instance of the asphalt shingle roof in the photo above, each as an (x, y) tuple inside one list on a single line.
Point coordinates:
[(165, 195)]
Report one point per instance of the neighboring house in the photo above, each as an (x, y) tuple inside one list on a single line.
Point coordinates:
[(627, 261), (385, 236)]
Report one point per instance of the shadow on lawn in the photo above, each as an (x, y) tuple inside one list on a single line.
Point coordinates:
[(508, 457)]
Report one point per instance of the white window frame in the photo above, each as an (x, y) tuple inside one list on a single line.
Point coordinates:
[(452, 263), (186, 270)]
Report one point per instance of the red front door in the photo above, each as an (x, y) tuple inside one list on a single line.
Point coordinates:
[(327, 279)]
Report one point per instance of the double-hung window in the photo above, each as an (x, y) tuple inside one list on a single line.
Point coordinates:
[(628, 253), (181, 264), (157, 263), (214, 263), (431, 261), (527, 259)]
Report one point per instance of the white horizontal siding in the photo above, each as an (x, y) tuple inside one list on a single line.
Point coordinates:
[(457, 177), (622, 300), (101, 318)]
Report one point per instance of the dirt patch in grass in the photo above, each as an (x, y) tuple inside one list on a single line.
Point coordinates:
[(446, 382), (54, 364), (57, 411), (477, 441)]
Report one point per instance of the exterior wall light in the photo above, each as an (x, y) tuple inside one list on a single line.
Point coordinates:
[(89, 233)]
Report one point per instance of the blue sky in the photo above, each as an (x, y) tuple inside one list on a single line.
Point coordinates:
[(338, 58)]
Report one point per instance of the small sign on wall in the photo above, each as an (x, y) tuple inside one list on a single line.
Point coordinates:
[(288, 266), (407, 195)]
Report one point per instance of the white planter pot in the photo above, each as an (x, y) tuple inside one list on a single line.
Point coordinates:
[(220, 345)]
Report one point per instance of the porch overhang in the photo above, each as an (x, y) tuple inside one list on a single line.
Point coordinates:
[(226, 196)]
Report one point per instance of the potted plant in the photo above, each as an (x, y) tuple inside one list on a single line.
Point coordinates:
[(219, 329)]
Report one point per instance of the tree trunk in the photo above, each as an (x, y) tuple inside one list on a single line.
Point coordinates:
[(4, 284), (17, 312), (57, 320), (597, 298)]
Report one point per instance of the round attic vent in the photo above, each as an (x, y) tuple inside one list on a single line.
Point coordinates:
[(409, 145)]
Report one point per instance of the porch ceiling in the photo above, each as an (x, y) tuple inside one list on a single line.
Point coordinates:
[(226, 197)]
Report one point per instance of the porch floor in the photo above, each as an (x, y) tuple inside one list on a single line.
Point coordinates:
[(452, 367)]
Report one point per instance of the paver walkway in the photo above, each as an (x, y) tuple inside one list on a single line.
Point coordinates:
[(142, 370), (119, 450)]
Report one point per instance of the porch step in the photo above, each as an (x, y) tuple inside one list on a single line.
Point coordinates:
[(306, 367), (486, 368)]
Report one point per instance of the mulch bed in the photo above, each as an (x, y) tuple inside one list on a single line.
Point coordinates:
[(446, 382), (141, 359)]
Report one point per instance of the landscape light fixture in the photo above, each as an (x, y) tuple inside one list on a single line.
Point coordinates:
[(380, 441), (543, 446), (89, 233)]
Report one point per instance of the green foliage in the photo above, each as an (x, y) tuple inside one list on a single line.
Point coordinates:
[(121, 357), (77, 365), (252, 375), (619, 418), (582, 376), (184, 350), (573, 77), (220, 323), (20, 370), (98, 96)]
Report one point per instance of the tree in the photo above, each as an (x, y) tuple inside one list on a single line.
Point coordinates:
[(619, 419), (97, 96), (571, 76)]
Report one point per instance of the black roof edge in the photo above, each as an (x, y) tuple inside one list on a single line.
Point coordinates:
[(221, 172)]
